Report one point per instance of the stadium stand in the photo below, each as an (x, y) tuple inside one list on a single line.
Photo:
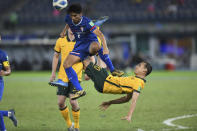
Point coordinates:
[(41, 12), (145, 25)]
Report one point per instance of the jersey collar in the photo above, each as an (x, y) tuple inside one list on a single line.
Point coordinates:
[(141, 79)]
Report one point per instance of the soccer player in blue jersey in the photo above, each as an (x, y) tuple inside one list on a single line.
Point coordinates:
[(5, 71), (87, 44)]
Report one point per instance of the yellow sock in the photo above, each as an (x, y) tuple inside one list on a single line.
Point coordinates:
[(66, 115), (76, 115)]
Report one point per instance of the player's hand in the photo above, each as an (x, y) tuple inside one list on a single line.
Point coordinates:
[(2, 73), (128, 118), (104, 105), (62, 34), (105, 51), (52, 78)]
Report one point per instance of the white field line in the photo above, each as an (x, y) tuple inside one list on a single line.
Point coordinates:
[(140, 130), (168, 122)]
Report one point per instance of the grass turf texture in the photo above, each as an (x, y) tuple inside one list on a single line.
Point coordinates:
[(166, 95)]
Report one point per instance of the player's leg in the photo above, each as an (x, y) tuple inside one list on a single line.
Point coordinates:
[(97, 75), (72, 75), (10, 114), (1, 89), (75, 112), (92, 59), (101, 20), (94, 48), (108, 62), (61, 92), (2, 125)]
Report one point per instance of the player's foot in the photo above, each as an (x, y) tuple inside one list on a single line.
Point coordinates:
[(117, 73), (13, 117), (71, 128), (76, 129), (101, 20), (58, 83), (78, 94)]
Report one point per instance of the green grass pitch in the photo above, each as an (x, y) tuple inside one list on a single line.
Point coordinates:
[(166, 95)]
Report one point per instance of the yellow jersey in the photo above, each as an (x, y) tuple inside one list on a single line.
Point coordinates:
[(123, 85), (64, 46)]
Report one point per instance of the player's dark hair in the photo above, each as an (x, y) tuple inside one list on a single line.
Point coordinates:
[(75, 8), (148, 67)]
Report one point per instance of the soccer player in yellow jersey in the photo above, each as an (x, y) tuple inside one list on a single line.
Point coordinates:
[(131, 85), (63, 47)]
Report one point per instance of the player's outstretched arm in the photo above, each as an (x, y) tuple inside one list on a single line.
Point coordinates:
[(54, 66), (132, 107), (63, 33), (103, 41), (121, 100)]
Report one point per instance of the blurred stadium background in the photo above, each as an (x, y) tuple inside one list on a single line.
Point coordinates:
[(161, 31)]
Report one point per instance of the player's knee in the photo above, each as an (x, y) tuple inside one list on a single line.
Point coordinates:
[(94, 48), (61, 105), (74, 104), (75, 107)]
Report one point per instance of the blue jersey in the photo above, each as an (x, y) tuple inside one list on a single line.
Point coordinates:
[(3, 61), (83, 31)]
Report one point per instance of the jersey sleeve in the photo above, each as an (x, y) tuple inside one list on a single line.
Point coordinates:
[(5, 60), (139, 88), (90, 25), (57, 46)]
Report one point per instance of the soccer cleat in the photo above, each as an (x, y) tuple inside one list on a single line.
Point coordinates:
[(71, 128), (58, 83), (13, 117), (78, 94), (117, 73), (101, 20), (76, 129)]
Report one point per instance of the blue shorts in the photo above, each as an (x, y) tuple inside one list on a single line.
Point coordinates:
[(1, 89), (81, 49)]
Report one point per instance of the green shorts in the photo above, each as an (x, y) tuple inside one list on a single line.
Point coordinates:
[(98, 76), (65, 91)]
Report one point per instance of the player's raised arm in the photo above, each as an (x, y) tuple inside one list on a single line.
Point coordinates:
[(103, 41), (63, 33), (121, 100), (132, 107)]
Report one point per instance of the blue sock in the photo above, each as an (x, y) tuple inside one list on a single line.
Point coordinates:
[(106, 59), (72, 76), (2, 126), (4, 113)]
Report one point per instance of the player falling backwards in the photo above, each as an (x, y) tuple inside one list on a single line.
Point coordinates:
[(131, 85), (87, 44)]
